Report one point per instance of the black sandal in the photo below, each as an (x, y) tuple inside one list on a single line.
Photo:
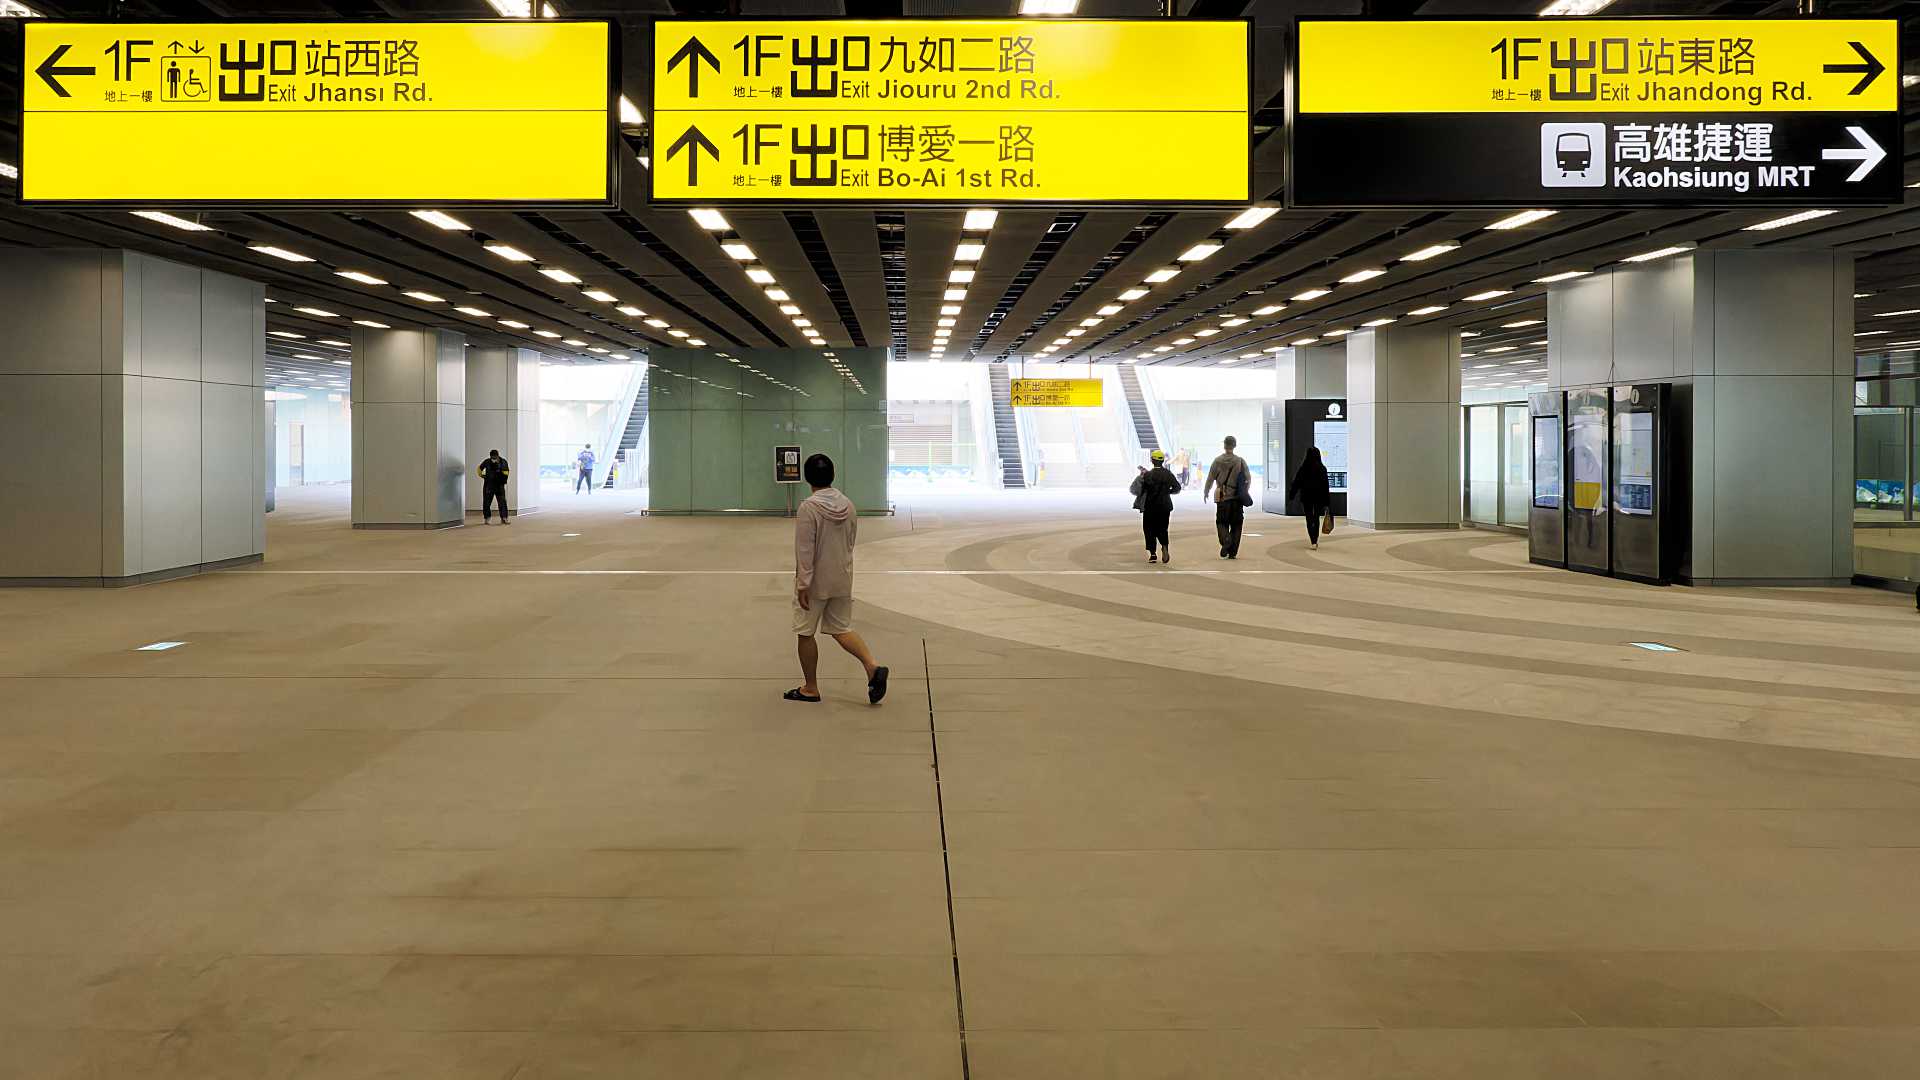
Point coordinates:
[(795, 695), (877, 686)]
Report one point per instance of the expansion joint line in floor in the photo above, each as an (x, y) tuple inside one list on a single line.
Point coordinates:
[(946, 865)]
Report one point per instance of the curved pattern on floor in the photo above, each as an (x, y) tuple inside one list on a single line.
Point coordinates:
[(1448, 619)]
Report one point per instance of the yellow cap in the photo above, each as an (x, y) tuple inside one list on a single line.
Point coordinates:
[(1158, 455)]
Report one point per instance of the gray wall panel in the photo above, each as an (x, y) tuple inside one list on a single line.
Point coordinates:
[(1652, 320), (51, 487), (1797, 335), (450, 465), (389, 462), (62, 292), (229, 468), (169, 318), (169, 472), (1775, 451), (227, 342)]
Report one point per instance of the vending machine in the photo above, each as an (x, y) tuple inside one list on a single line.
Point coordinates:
[(1589, 415), (1647, 516), (1546, 510)]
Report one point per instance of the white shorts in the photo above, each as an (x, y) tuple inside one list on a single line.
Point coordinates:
[(833, 615)]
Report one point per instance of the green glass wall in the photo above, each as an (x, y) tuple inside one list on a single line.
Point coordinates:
[(714, 418)]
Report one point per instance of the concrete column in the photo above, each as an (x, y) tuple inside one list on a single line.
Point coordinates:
[(131, 426), (1759, 347), (503, 413), (1403, 427), (409, 428), (1319, 371)]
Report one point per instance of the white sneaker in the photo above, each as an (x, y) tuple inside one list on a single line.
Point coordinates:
[(1313, 547)]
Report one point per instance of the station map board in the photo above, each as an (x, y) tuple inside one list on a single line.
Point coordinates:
[(1151, 112), (1596, 112), (1058, 393), (323, 114)]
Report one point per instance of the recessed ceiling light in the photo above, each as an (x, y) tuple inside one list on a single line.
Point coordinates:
[(630, 311), (1311, 294), (1430, 309), (1208, 332), (1251, 216), (1091, 321), (513, 324), (790, 309), (777, 294), (979, 220), (1304, 341), (335, 342), (1503, 348), (508, 252), (802, 322), (318, 313), (1564, 275), (575, 342), (760, 275), (1163, 274), (1469, 333), (709, 219), (969, 251), (169, 219), (1075, 332), (1269, 309), (658, 324), (1890, 314), (1163, 348), (1183, 341), (478, 313), (1518, 323), (945, 322), (287, 334), (370, 323), (1524, 217), (423, 297), (1489, 294), (559, 275), (1235, 321), (950, 309), (279, 253), (1133, 294), (1430, 251), (1336, 333), (1361, 275), (1376, 322), (960, 275), (601, 295), (441, 220), (344, 363), (1658, 253), (1790, 219), (1110, 309), (362, 278), (1062, 341), (546, 333), (954, 294), (1198, 252), (737, 250), (1248, 356)]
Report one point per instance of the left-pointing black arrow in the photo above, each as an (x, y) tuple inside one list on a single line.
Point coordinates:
[(693, 142), (47, 70), (1868, 71)]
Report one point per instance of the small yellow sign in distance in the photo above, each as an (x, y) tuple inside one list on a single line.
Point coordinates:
[(1058, 393), (953, 110), (1600, 65), (318, 114)]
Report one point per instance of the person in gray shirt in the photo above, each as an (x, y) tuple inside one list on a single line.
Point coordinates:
[(824, 529), (1229, 482)]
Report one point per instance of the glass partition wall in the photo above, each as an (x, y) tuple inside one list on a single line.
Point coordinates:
[(1886, 506), (1497, 466)]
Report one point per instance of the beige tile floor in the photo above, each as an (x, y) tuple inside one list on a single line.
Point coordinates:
[(507, 803)]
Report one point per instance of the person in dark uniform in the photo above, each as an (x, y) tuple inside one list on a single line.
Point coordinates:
[(1155, 489), (493, 485), (1310, 487)]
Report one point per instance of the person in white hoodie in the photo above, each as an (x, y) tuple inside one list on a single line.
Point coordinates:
[(823, 535)]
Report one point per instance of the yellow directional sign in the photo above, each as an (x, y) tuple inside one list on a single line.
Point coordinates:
[(1588, 65), (951, 110), (318, 114), (1058, 393)]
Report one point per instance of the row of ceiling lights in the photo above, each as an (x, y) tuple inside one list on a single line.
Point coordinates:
[(966, 263), (736, 248)]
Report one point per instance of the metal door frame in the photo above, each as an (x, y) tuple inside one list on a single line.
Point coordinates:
[(1909, 442), (1500, 522)]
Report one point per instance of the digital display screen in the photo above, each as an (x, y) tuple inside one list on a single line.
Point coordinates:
[(1331, 437), (1546, 462), (1633, 465), (1588, 447)]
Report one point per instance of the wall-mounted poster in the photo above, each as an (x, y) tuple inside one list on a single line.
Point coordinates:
[(1588, 445), (1331, 437), (1633, 482), (1546, 462)]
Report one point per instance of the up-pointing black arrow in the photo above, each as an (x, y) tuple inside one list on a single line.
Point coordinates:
[(1869, 71), (693, 142), (47, 70), (696, 51)]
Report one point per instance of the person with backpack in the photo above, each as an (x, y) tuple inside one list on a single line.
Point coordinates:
[(1310, 487), (1153, 492), (1230, 483), (493, 485), (584, 459)]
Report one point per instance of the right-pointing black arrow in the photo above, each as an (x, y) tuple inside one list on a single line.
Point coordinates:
[(696, 51), (693, 141), (1868, 71), (47, 70)]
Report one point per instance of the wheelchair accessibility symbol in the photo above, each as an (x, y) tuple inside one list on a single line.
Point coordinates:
[(184, 77), (1573, 155)]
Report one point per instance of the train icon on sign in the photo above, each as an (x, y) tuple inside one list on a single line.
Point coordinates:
[(1573, 155)]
